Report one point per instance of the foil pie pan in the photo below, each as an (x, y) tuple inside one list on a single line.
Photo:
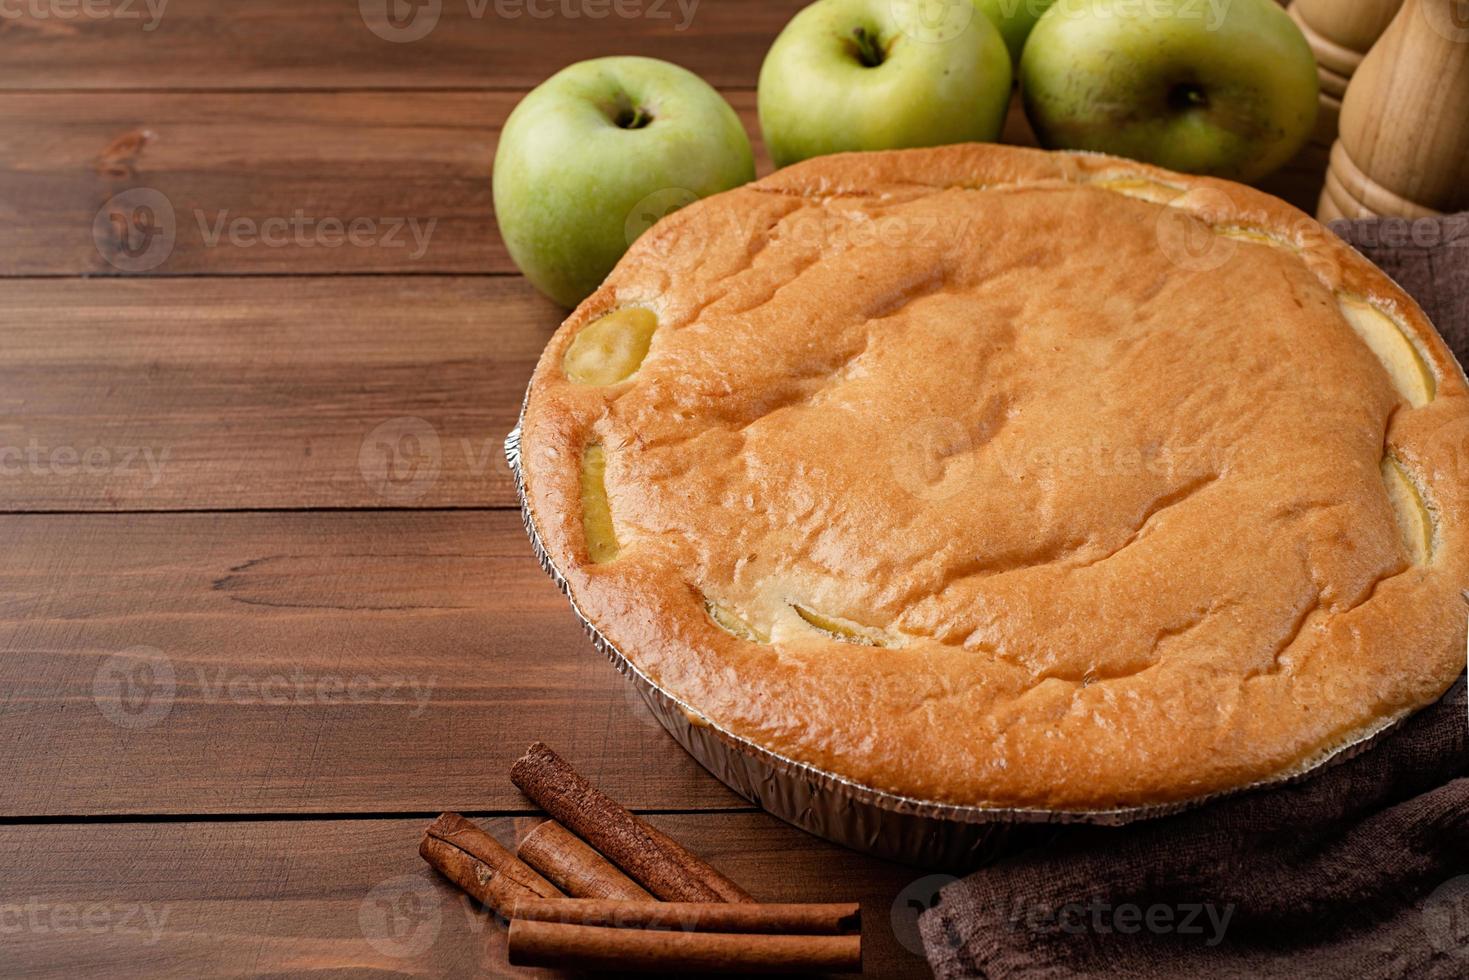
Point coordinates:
[(923, 833)]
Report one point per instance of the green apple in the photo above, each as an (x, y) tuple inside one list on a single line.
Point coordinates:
[(882, 74), (1014, 18), (1225, 88), (589, 147)]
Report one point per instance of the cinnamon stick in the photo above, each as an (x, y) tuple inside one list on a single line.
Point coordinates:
[(557, 944), (727, 890), (801, 920), (669, 872), (574, 867), (480, 865)]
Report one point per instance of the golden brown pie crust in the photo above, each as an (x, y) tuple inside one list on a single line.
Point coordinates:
[(1031, 479)]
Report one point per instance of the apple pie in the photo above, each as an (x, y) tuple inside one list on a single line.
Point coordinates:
[(996, 477)]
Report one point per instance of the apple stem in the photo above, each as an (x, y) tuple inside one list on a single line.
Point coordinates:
[(1186, 96), (869, 49), (634, 117)]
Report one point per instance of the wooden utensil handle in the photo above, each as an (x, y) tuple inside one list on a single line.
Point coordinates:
[(1403, 149)]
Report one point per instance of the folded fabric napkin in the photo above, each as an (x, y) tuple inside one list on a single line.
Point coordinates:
[(1360, 871)]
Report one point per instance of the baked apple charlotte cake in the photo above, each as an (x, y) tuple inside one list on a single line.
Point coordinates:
[(996, 477)]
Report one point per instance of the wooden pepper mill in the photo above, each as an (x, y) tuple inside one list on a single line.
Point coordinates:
[(1403, 149), (1340, 33)]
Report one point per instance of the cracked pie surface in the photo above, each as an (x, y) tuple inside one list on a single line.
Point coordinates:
[(990, 476)]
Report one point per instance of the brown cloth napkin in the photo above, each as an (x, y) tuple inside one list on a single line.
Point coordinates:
[(1360, 871), (1428, 257)]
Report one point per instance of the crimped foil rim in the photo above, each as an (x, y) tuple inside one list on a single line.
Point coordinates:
[(862, 793)]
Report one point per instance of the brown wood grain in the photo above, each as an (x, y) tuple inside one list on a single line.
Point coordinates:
[(168, 394), (303, 662), (256, 183), (288, 898), (328, 44), (288, 184), (251, 183), (302, 667)]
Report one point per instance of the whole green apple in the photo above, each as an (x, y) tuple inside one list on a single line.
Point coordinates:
[(880, 75), (1225, 87), (1015, 19), (588, 147)]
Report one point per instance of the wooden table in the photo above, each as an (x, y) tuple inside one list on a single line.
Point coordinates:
[(265, 606)]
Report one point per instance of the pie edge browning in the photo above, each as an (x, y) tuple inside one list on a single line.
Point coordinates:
[(549, 436)]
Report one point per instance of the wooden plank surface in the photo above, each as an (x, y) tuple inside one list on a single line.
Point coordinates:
[(249, 183), (271, 655), (288, 184), (169, 394), (290, 898), (256, 183), (350, 44), (302, 662)]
